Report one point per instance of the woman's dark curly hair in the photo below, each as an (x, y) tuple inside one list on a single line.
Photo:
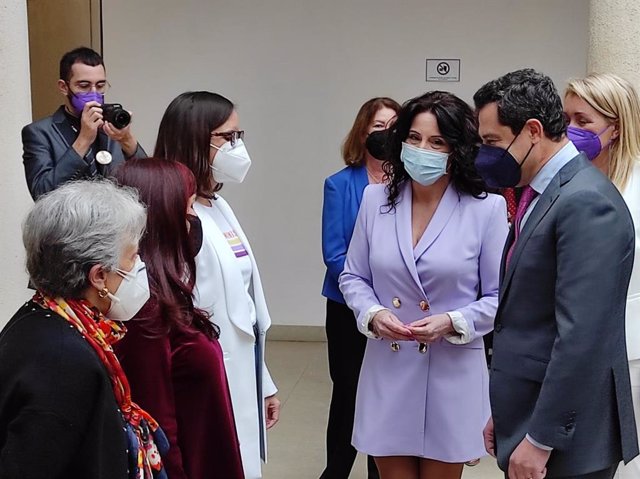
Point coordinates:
[(458, 127)]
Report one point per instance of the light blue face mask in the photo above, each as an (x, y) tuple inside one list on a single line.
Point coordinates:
[(424, 166)]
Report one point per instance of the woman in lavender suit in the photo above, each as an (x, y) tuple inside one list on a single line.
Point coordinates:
[(421, 276)]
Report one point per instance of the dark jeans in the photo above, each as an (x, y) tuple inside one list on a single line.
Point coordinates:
[(346, 347)]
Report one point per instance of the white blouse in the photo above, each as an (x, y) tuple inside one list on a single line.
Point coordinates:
[(237, 248)]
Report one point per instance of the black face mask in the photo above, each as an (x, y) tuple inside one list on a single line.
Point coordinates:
[(376, 144), (498, 167), (195, 234)]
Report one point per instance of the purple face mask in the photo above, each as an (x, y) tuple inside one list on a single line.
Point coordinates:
[(586, 141), (79, 100)]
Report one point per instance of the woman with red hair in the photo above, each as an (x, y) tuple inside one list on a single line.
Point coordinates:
[(171, 353)]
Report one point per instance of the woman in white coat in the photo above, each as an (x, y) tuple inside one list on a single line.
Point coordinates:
[(200, 129), (604, 114)]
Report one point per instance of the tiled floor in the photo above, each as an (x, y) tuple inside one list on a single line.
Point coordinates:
[(296, 444)]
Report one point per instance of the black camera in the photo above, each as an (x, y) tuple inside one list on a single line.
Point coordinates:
[(116, 115)]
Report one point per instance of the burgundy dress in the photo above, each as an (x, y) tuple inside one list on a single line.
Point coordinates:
[(179, 378)]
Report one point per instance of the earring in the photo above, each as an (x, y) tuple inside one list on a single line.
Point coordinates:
[(103, 293)]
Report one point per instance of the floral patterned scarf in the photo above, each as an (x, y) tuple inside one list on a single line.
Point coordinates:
[(146, 441)]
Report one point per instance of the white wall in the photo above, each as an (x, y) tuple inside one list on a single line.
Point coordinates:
[(299, 70), (15, 105)]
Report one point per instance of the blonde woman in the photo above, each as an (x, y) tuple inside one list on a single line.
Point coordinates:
[(604, 114)]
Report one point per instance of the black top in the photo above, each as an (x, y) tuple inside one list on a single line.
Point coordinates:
[(74, 121), (58, 414)]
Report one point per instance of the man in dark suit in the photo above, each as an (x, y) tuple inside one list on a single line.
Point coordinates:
[(560, 390), (75, 142)]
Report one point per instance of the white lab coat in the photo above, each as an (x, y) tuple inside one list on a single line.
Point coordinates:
[(220, 290)]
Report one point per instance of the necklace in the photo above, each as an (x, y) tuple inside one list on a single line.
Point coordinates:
[(375, 179)]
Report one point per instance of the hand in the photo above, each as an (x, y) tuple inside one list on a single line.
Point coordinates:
[(272, 410), (528, 461), (90, 123), (386, 325), (124, 137), (489, 437), (429, 329)]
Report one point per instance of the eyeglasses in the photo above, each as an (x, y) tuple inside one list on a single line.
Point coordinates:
[(231, 136), (86, 87)]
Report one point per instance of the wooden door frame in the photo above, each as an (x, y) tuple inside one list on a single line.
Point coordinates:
[(96, 25)]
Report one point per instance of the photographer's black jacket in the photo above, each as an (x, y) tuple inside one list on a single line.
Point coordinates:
[(50, 160)]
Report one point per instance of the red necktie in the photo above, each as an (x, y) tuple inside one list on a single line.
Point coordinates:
[(528, 194), (512, 204)]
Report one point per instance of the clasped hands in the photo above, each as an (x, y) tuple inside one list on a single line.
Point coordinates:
[(386, 325)]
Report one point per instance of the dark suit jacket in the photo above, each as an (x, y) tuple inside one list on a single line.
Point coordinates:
[(559, 369), (50, 160), (342, 197)]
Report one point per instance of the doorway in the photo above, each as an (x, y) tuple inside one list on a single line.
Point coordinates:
[(55, 27)]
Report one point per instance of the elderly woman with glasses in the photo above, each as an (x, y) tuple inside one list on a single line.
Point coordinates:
[(65, 403), (201, 130)]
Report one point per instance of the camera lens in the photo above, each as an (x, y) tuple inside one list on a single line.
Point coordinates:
[(116, 115), (121, 119)]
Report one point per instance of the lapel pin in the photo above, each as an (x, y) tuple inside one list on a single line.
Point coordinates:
[(103, 157)]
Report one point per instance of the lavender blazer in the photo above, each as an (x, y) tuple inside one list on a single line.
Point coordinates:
[(431, 405)]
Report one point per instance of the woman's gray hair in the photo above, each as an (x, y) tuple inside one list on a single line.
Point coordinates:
[(77, 226)]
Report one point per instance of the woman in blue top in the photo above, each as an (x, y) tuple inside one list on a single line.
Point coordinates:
[(342, 197)]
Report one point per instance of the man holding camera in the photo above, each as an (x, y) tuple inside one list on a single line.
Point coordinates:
[(85, 137)]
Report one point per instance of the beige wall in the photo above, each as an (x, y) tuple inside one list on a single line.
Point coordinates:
[(614, 40), (55, 27), (52, 27), (16, 111), (299, 70)]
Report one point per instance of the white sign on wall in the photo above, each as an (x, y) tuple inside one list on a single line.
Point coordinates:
[(443, 70)]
